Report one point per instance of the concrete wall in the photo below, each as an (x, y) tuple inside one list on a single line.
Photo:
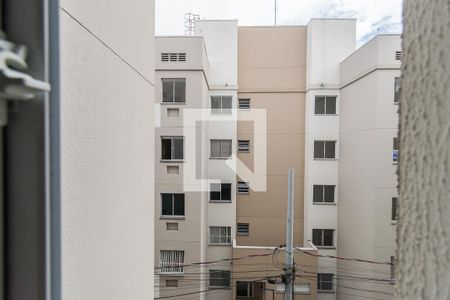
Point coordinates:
[(107, 98), (424, 170), (272, 74), (329, 41), (367, 174)]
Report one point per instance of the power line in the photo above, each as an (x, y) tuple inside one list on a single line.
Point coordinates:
[(344, 258)]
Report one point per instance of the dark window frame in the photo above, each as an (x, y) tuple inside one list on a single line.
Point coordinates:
[(329, 109), (322, 243), (221, 199), (324, 151), (174, 201), (173, 151), (221, 110), (173, 81), (323, 191), (217, 275), (249, 289), (221, 155), (325, 284)]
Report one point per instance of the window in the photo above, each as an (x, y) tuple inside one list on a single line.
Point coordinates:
[(395, 150), (174, 90), (219, 278), (323, 237), (220, 192), (243, 228), (220, 148), (398, 55), (323, 193), (171, 261), (221, 105), (172, 205), (324, 149), (394, 211), (325, 281), (244, 145), (244, 103), (392, 268), (173, 57), (220, 235), (325, 105), (171, 283), (172, 147), (396, 89), (244, 289), (242, 187)]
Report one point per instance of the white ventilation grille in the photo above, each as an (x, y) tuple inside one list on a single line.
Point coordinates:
[(173, 57), (398, 55), (171, 261), (242, 187)]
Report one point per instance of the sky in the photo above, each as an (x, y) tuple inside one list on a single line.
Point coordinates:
[(373, 16)]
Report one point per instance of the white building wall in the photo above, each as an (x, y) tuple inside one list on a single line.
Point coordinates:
[(221, 43), (367, 174), (107, 141), (329, 41)]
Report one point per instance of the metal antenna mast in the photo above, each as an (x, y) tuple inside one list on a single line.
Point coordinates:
[(289, 265)]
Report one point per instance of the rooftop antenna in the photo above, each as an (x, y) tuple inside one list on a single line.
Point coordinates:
[(189, 23), (276, 12)]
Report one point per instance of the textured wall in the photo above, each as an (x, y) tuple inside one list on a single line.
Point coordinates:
[(424, 227)]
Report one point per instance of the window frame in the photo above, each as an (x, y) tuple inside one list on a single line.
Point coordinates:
[(221, 148), (227, 236), (324, 149), (394, 210), (229, 279), (323, 202), (220, 191), (172, 267), (221, 110), (321, 282), (174, 80), (172, 146), (395, 150), (322, 237), (326, 99), (173, 216), (250, 288)]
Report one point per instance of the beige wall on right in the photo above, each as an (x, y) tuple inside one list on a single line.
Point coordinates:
[(424, 167)]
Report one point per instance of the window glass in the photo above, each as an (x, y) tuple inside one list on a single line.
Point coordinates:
[(215, 148), (331, 106), (166, 148), (317, 237), (167, 205), (178, 148), (329, 193), (396, 89), (226, 148), (180, 90), (319, 149), (328, 237), (330, 149), (167, 90), (226, 191), (244, 289), (318, 193), (178, 203), (319, 108), (214, 193)]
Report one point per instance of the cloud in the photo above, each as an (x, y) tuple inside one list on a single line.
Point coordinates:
[(372, 16)]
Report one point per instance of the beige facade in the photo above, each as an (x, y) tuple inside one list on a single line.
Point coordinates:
[(272, 74)]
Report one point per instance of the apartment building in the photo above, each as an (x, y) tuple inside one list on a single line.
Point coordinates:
[(195, 148), (368, 163), (76, 115)]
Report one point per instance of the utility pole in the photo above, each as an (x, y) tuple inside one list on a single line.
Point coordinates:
[(275, 12), (289, 264)]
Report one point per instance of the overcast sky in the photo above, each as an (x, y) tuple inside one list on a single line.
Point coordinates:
[(373, 15)]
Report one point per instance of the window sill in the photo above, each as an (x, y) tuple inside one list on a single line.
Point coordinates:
[(326, 115), (243, 151), (220, 158), (394, 222), (396, 103), (326, 292), (173, 103), (171, 274), (172, 217), (220, 245), (219, 288), (242, 234), (395, 163), (326, 159), (324, 203), (243, 193), (325, 247), (220, 201), (174, 161)]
